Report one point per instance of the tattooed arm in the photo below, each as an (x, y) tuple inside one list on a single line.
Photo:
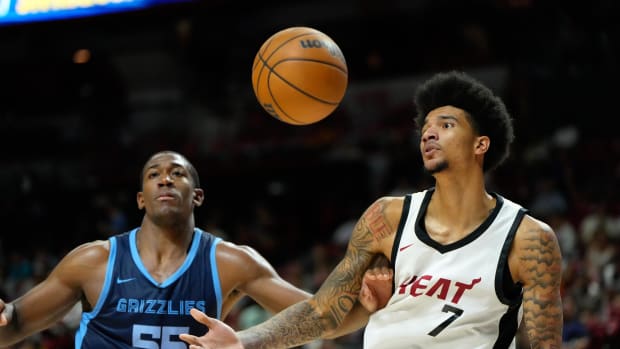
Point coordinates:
[(319, 316), (535, 262), (324, 312)]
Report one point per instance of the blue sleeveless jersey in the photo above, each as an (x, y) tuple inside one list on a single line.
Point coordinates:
[(135, 311)]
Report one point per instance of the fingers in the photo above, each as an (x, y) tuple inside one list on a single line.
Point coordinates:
[(201, 317), (220, 335), (3, 320), (368, 299), (382, 273), (386, 272), (189, 339)]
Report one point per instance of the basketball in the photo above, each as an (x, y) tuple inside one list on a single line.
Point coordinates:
[(299, 75)]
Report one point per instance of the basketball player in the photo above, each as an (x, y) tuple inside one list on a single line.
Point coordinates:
[(137, 288), (468, 264)]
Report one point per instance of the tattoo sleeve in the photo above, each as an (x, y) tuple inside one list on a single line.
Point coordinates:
[(316, 317), (541, 260)]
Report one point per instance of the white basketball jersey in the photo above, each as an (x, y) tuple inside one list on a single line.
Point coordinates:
[(450, 296)]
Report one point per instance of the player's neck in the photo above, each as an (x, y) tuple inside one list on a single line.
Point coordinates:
[(460, 201), (164, 240), (162, 251)]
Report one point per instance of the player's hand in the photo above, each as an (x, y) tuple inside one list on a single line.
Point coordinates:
[(376, 288), (219, 336), (4, 317)]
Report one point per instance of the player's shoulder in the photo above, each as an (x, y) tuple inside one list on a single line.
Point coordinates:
[(233, 253), (241, 261), (96, 246), (389, 206), (530, 223), (535, 249), (533, 230), (398, 201), (93, 251)]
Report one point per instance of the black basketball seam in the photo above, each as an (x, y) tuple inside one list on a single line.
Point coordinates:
[(314, 60), (282, 44), (264, 61), (271, 70), (275, 101), (259, 54)]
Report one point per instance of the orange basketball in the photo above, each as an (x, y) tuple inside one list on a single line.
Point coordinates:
[(299, 75)]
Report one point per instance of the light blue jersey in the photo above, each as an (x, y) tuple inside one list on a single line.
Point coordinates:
[(136, 311)]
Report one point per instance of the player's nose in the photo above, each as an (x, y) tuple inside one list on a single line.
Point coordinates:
[(429, 134), (166, 180)]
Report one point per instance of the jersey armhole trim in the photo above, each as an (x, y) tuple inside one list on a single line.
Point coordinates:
[(103, 295), (399, 230), (216, 276), (503, 260)]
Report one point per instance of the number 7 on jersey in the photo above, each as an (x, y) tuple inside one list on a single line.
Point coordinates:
[(456, 312)]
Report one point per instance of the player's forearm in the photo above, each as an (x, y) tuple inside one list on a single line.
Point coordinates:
[(356, 319), (295, 326)]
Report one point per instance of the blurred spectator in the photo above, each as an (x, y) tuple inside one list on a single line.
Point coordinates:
[(613, 319), (575, 333), (566, 233), (600, 218), (251, 315), (599, 252)]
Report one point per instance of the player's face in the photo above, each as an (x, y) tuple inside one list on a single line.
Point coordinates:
[(168, 191), (447, 139)]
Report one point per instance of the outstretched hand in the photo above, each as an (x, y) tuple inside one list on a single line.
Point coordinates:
[(219, 336), (377, 287)]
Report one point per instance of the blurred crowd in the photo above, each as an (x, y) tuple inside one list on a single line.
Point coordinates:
[(294, 193), (301, 214)]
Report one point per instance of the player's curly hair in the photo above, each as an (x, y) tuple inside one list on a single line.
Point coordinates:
[(486, 111)]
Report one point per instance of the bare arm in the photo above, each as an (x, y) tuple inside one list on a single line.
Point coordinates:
[(256, 278), (230, 302), (50, 300), (537, 260), (325, 312), (243, 271), (377, 288)]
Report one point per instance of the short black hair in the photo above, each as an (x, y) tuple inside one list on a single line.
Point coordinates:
[(486, 111), (190, 167)]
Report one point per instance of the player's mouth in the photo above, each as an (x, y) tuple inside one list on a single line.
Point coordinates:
[(166, 197), (430, 148)]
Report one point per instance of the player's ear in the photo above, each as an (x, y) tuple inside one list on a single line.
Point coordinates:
[(482, 144), (140, 200), (199, 196)]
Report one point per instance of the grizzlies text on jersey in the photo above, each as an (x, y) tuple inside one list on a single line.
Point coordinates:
[(136, 311)]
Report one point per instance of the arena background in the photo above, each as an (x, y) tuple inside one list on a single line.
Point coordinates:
[(83, 102)]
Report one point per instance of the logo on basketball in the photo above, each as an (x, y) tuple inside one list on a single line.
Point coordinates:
[(332, 49)]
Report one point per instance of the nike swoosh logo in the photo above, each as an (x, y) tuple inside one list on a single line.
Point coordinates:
[(122, 281), (405, 247)]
